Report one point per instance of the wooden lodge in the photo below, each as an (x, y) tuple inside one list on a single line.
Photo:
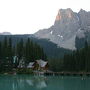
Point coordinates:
[(38, 65)]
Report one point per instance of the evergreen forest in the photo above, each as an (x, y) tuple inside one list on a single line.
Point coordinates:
[(29, 51)]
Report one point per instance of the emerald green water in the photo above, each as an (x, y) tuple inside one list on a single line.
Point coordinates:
[(27, 82)]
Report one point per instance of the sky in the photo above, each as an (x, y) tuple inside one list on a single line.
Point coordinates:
[(29, 16)]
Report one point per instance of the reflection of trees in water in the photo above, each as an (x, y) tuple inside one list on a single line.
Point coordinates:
[(21, 82), (27, 82), (18, 83), (37, 81)]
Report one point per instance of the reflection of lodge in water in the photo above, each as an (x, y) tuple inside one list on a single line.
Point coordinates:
[(38, 82), (35, 82), (27, 82)]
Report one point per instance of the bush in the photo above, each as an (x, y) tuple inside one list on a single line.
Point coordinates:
[(24, 71)]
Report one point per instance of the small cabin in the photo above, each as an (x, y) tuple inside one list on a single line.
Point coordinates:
[(41, 65), (31, 65), (21, 63)]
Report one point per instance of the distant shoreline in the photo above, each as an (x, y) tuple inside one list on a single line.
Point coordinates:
[(50, 73)]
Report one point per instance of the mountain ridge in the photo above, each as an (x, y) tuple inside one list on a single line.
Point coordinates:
[(67, 27), (5, 33)]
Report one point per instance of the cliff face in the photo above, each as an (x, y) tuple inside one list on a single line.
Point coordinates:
[(68, 26)]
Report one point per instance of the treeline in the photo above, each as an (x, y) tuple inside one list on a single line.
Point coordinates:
[(50, 48), (28, 50), (78, 61)]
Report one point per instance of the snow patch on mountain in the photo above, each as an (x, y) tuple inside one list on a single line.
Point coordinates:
[(60, 36), (51, 32)]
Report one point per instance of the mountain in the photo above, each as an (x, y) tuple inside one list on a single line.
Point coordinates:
[(70, 29), (5, 33)]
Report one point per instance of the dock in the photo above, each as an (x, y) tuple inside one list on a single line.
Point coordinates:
[(68, 73), (63, 73)]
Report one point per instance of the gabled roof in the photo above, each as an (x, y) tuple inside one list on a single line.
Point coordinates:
[(30, 65), (41, 63)]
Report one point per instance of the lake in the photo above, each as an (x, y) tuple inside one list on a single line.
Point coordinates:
[(27, 82)]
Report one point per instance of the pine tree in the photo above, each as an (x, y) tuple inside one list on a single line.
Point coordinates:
[(5, 45), (10, 52), (28, 51), (20, 49)]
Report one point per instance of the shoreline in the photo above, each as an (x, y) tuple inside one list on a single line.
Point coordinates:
[(50, 73)]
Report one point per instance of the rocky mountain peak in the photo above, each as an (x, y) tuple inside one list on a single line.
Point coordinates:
[(62, 13), (65, 16), (82, 11), (68, 25), (5, 33), (58, 17)]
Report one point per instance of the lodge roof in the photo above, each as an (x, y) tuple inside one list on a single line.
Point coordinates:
[(30, 65), (41, 63)]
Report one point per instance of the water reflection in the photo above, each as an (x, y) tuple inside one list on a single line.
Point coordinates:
[(23, 82), (37, 81), (27, 82)]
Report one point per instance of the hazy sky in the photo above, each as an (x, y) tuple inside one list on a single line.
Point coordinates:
[(28, 16)]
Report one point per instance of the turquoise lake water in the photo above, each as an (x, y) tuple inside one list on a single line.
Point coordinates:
[(27, 82)]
